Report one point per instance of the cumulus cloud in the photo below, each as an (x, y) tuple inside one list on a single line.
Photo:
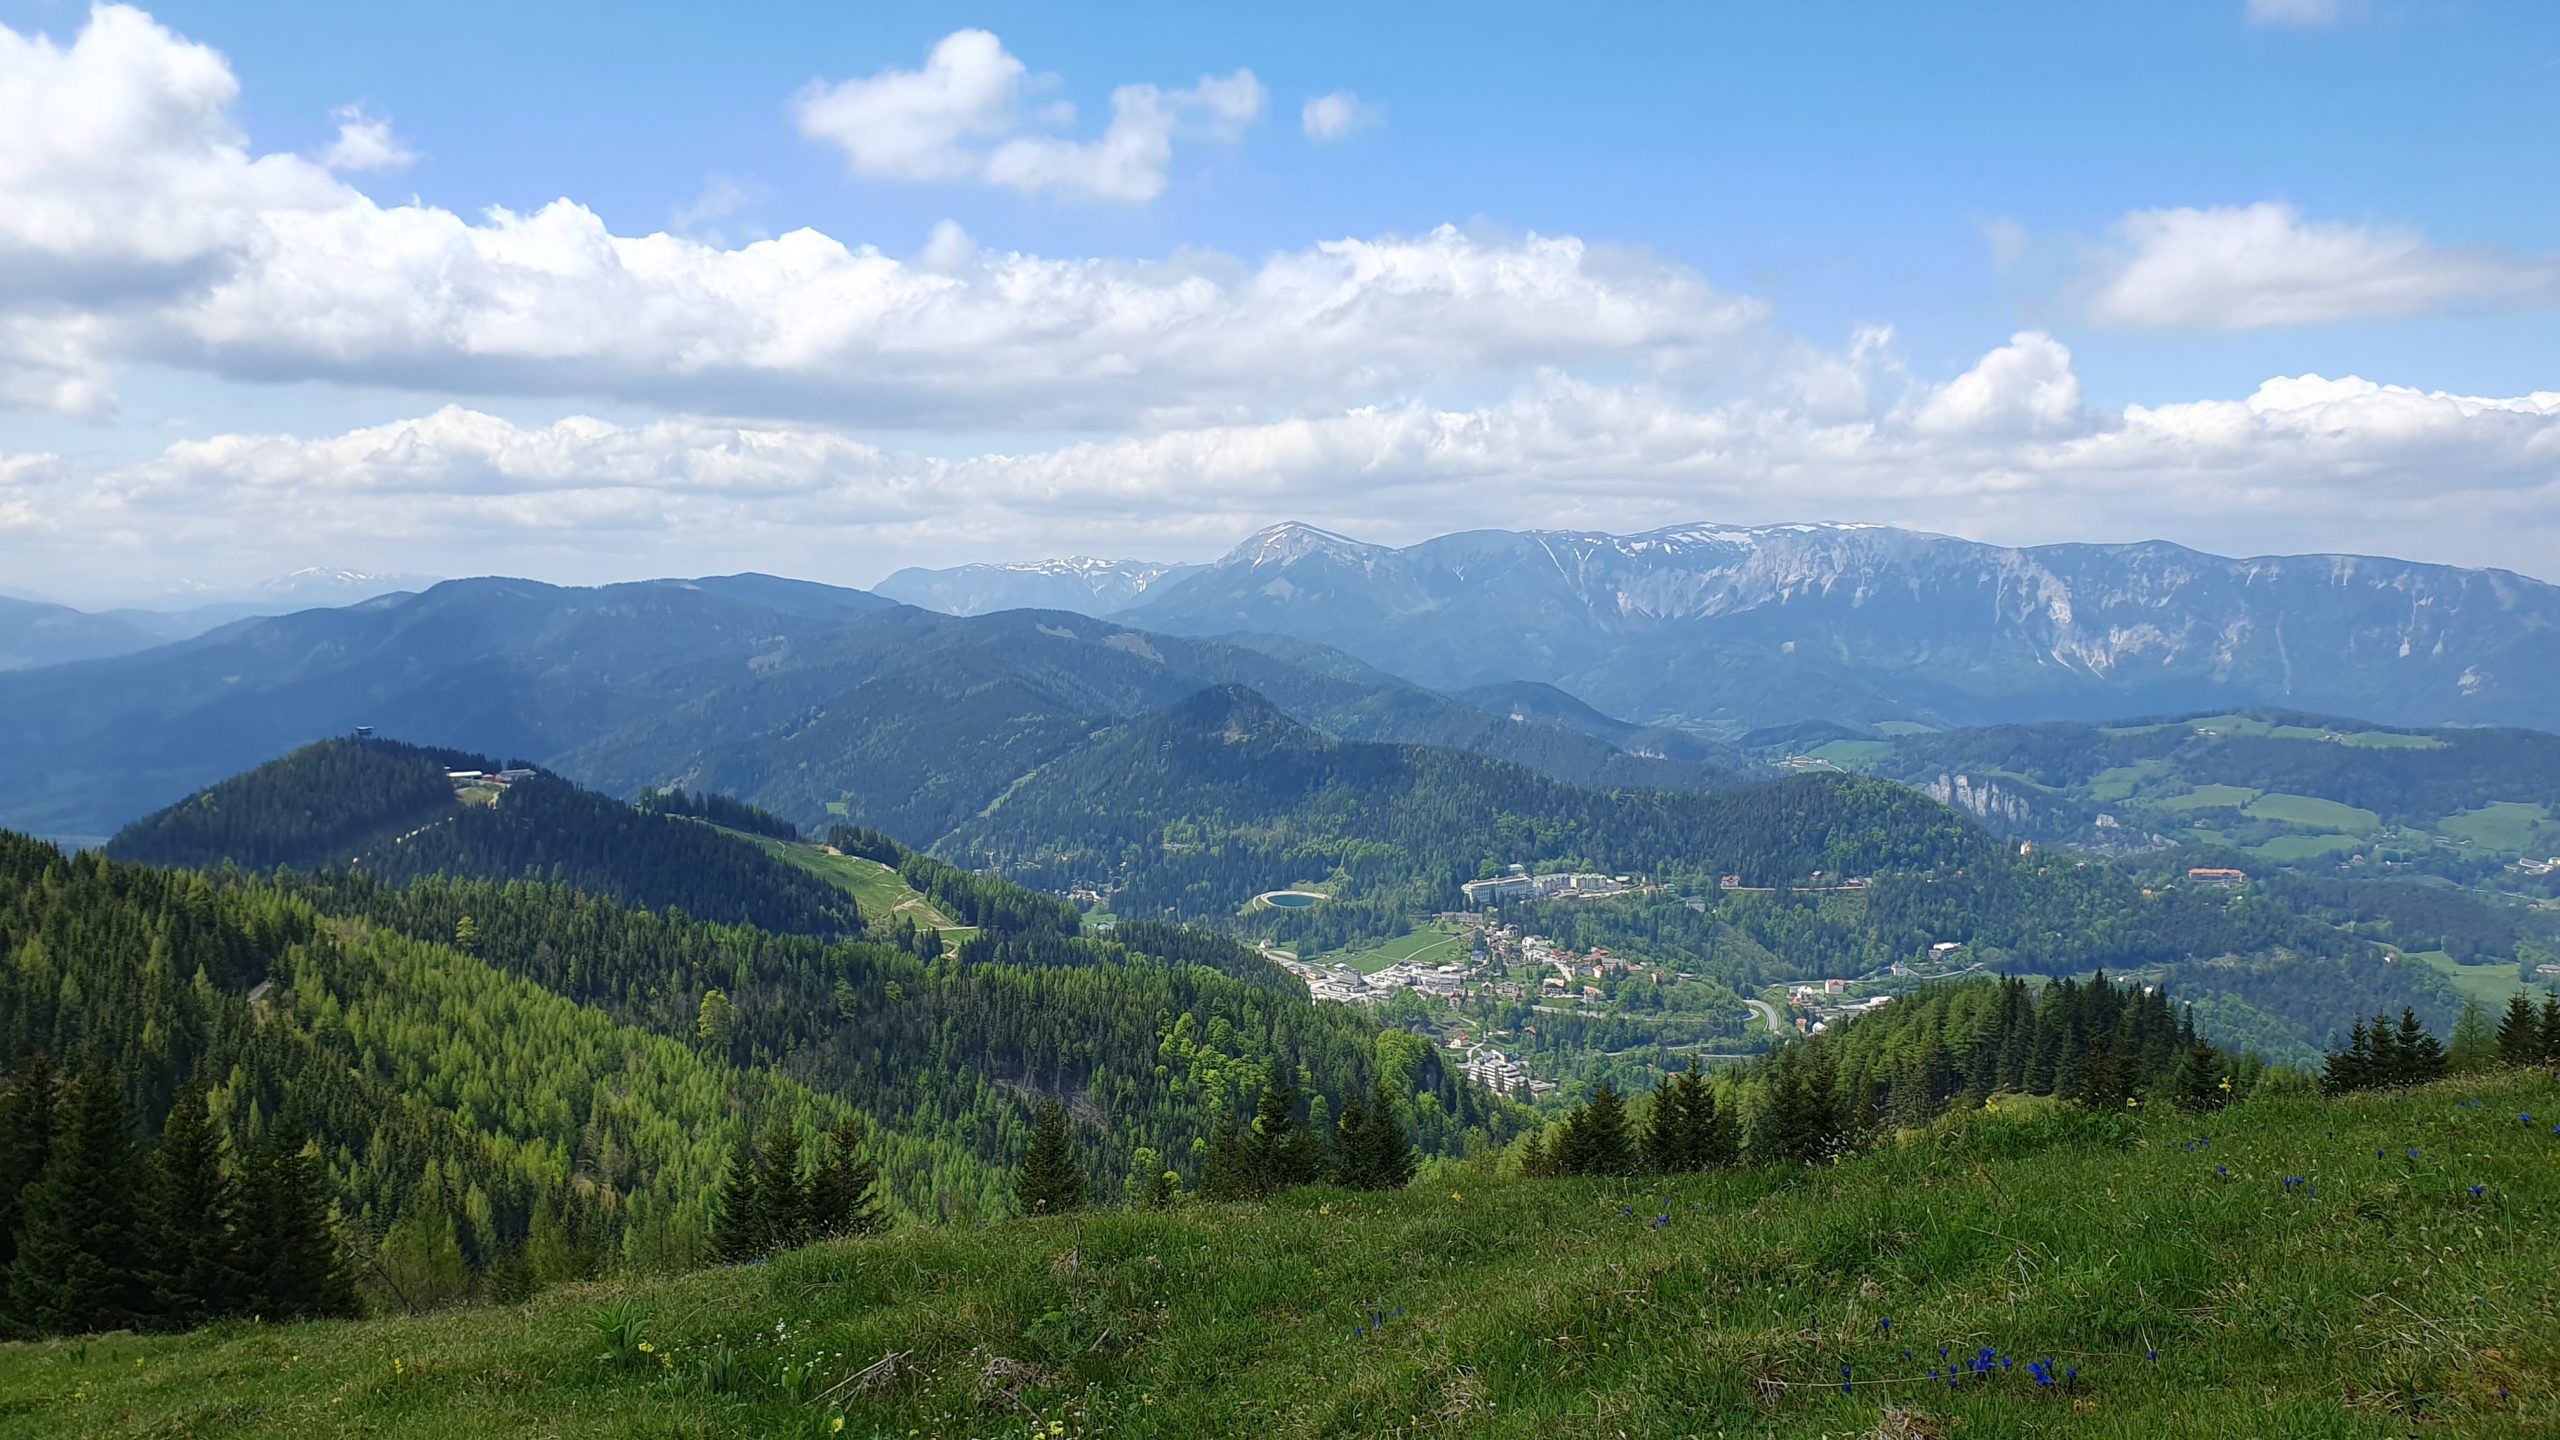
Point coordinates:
[(1339, 116), (964, 117), (2244, 267), (365, 142), (2005, 451), (129, 198)]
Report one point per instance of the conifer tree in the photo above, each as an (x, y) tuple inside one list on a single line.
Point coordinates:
[(292, 1264), (2475, 1040), (190, 1218), (1049, 1183), (28, 1112), (2551, 1028), (2421, 1055), (1595, 1136), (2199, 1083), (1667, 1130), (2352, 1067), (1382, 1155), (2388, 1065), (2519, 1036), (738, 1227), (1534, 1161), (782, 1199), (1794, 1125), (844, 1194), (1224, 1171), (1280, 1150), (80, 1259)]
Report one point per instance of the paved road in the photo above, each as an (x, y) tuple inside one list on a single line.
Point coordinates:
[(1768, 1013)]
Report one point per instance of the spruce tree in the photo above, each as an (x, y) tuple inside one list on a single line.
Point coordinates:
[(1534, 1161), (1049, 1182), (1667, 1130), (844, 1194), (2551, 1028), (293, 1268), (28, 1113), (782, 1199), (2519, 1037), (1794, 1125), (2196, 1086), (2421, 1054), (2350, 1068), (80, 1260), (190, 1218), (1225, 1173), (1281, 1150), (2389, 1066), (737, 1226), (1596, 1140), (1386, 1153)]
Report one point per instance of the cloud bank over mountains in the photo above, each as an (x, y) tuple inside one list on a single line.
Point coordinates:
[(807, 388)]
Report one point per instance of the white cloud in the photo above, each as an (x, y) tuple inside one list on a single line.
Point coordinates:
[(963, 117), (365, 142), (2304, 13), (130, 201), (2245, 267), (1339, 116), (2304, 462)]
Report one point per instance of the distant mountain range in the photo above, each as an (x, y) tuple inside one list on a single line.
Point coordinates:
[(34, 632), (809, 700), (1727, 629), (1086, 586)]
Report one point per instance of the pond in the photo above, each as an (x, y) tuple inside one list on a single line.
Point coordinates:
[(1292, 899)]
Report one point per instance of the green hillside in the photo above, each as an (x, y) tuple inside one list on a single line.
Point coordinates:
[(2287, 789), (2372, 1267)]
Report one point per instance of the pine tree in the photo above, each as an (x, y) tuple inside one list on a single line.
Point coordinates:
[(2551, 1028), (190, 1218), (844, 1194), (1534, 1161), (1667, 1130), (2199, 1083), (2389, 1065), (738, 1227), (80, 1258), (292, 1264), (2352, 1067), (28, 1113), (2519, 1037), (2421, 1054), (1384, 1154), (1280, 1150), (782, 1198), (1049, 1182), (2475, 1040), (1224, 1173), (1595, 1136), (1794, 1125)]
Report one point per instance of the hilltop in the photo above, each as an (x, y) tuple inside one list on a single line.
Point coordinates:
[(2356, 1268)]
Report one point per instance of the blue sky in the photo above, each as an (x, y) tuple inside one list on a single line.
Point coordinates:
[(1942, 208)]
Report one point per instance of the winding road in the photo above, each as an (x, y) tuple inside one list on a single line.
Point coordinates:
[(1768, 1013)]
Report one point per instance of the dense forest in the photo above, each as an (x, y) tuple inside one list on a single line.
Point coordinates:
[(387, 809), (470, 1124)]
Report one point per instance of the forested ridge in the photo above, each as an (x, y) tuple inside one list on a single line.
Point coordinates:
[(1192, 812), (386, 808)]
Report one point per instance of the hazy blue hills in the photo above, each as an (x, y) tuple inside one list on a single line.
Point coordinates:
[(811, 700), (1731, 629)]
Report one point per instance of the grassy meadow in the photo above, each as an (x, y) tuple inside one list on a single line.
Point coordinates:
[(2379, 1266)]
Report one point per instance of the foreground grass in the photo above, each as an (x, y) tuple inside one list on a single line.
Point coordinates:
[(2376, 1296)]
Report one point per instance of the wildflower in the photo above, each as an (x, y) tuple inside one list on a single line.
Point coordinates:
[(2153, 1355), (401, 1367), (2221, 1169), (2413, 1152), (1886, 1323), (647, 1348), (2478, 1190), (836, 1426)]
